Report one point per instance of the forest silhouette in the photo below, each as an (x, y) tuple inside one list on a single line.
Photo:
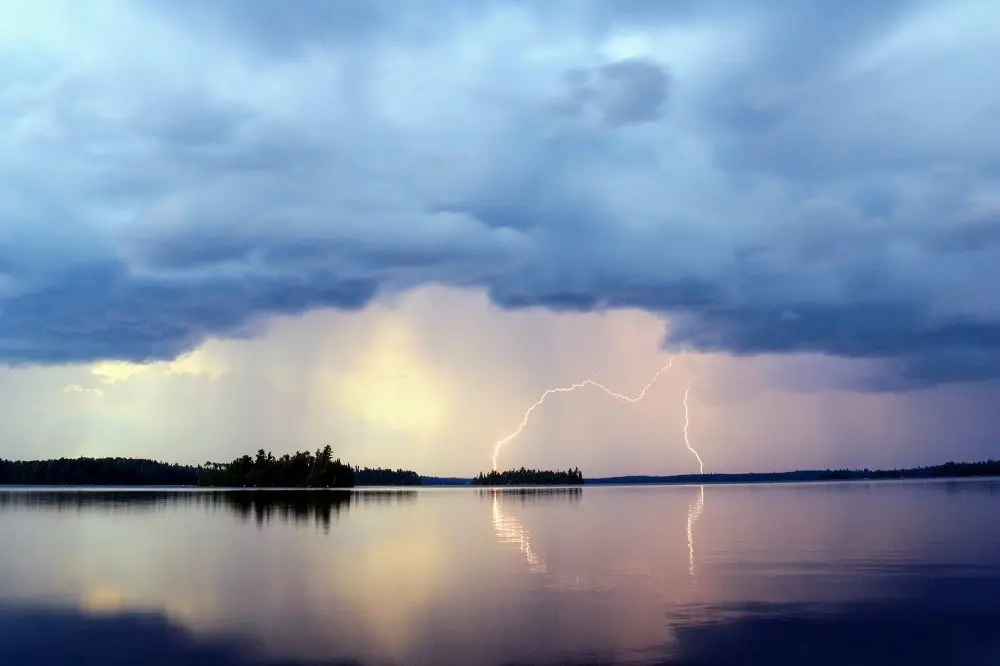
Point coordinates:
[(96, 471), (529, 477), (305, 469), (301, 469)]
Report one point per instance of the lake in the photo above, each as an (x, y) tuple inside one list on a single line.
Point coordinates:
[(821, 573)]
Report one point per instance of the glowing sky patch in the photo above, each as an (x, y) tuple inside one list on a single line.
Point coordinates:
[(197, 362), (76, 389), (391, 387)]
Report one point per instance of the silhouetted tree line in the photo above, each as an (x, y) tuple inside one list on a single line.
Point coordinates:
[(526, 477), (948, 470), (367, 476), (96, 471), (320, 470), (299, 470)]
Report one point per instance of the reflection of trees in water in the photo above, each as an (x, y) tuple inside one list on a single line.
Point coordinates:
[(295, 507), (104, 501), (533, 495), (289, 506)]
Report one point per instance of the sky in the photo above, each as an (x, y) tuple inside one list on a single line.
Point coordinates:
[(390, 225)]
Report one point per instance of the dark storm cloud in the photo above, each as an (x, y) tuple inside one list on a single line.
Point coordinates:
[(776, 177), (873, 330), (102, 311)]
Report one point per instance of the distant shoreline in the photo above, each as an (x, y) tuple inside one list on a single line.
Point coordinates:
[(457, 482), (179, 473), (656, 481), (950, 470)]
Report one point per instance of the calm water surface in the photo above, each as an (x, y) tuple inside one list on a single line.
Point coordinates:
[(851, 573)]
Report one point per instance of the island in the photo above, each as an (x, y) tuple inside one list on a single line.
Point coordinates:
[(529, 477), (301, 469)]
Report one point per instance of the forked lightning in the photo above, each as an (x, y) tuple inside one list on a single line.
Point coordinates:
[(567, 389)]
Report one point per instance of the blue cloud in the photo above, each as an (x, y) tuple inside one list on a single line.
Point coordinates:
[(779, 177)]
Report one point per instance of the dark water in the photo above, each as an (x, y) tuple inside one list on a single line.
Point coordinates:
[(853, 573)]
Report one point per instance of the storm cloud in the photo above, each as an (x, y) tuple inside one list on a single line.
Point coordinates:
[(787, 177)]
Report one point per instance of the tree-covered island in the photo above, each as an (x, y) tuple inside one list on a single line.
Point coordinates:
[(529, 477), (299, 470), (302, 469)]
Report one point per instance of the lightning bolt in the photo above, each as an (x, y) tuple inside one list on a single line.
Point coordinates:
[(586, 382), (687, 440)]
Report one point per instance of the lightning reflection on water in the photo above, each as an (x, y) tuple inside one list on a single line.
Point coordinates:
[(511, 531), (694, 512)]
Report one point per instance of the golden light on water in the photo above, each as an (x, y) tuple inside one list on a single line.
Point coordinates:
[(111, 599), (103, 599)]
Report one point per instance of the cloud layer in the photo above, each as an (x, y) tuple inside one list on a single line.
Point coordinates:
[(787, 177)]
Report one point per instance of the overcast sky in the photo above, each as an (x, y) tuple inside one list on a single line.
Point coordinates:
[(389, 225)]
